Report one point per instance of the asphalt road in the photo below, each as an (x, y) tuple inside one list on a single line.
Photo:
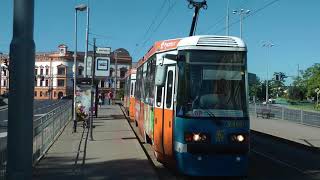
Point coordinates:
[(41, 107)]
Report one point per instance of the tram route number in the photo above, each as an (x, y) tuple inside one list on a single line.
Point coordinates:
[(236, 124)]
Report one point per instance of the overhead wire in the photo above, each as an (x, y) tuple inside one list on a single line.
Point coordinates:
[(152, 23), (251, 14), (220, 20), (160, 23)]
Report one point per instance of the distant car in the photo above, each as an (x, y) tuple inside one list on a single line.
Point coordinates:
[(67, 97)]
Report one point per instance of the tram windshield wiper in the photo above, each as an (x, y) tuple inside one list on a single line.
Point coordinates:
[(208, 112)]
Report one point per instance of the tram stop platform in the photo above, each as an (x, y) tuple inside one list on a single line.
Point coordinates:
[(114, 153), (287, 131)]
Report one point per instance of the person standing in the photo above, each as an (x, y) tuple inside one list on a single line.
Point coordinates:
[(110, 97)]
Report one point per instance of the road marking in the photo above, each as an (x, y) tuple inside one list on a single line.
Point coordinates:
[(280, 162), (3, 134)]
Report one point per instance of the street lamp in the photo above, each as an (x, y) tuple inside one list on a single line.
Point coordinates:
[(81, 7), (267, 44), (241, 13), (227, 20), (87, 42)]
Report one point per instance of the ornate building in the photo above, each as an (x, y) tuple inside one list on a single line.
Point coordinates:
[(54, 72)]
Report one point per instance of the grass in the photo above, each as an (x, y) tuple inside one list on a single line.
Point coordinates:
[(306, 107)]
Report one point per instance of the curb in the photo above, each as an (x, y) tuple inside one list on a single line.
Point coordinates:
[(286, 141)]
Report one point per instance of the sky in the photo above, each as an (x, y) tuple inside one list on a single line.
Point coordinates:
[(291, 25)]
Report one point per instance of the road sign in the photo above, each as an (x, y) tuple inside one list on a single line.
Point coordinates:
[(102, 67), (103, 50)]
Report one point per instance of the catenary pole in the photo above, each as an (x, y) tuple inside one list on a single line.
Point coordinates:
[(20, 112)]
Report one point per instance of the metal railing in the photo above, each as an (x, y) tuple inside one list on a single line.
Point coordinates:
[(45, 131), (294, 115)]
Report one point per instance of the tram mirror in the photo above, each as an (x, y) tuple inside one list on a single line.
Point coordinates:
[(161, 72), (171, 57)]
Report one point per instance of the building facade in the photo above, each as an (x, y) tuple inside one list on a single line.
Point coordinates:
[(54, 72)]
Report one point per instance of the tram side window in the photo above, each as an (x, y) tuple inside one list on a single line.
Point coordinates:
[(159, 96), (131, 93), (152, 79), (169, 89)]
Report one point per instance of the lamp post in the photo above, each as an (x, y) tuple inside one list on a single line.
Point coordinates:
[(227, 20), (87, 42), (267, 44), (80, 7), (241, 13)]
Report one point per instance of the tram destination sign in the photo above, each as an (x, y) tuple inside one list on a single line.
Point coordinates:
[(103, 50)]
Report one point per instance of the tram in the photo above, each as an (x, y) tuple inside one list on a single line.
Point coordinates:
[(191, 104), (129, 100)]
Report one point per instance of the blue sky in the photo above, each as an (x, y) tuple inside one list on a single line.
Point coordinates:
[(292, 26)]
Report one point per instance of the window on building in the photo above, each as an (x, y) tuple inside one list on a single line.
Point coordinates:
[(60, 82), (123, 72), (80, 70), (47, 71), (54, 94), (36, 71), (35, 94), (102, 83), (41, 71), (40, 93), (111, 72), (61, 70), (5, 73), (47, 83), (4, 83)]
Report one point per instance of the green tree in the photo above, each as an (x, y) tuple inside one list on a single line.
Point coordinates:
[(307, 83)]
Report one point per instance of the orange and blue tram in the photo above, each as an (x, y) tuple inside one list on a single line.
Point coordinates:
[(129, 100), (191, 104)]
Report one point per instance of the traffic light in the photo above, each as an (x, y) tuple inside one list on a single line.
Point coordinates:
[(277, 77)]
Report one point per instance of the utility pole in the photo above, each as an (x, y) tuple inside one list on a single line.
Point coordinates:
[(92, 86), (197, 6), (20, 111)]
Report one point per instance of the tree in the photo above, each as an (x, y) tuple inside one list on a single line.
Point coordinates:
[(306, 84), (277, 86)]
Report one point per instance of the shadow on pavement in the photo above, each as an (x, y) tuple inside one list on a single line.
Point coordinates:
[(120, 169)]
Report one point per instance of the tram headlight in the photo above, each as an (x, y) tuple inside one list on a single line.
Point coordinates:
[(239, 138), (196, 137)]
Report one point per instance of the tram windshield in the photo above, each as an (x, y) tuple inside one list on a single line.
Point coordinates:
[(212, 84)]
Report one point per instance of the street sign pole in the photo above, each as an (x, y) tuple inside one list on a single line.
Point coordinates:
[(92, 87)]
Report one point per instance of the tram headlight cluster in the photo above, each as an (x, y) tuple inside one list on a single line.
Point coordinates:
[(239, 138), (196, 137)]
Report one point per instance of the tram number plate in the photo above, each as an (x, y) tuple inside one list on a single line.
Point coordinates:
[(236, 124)]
